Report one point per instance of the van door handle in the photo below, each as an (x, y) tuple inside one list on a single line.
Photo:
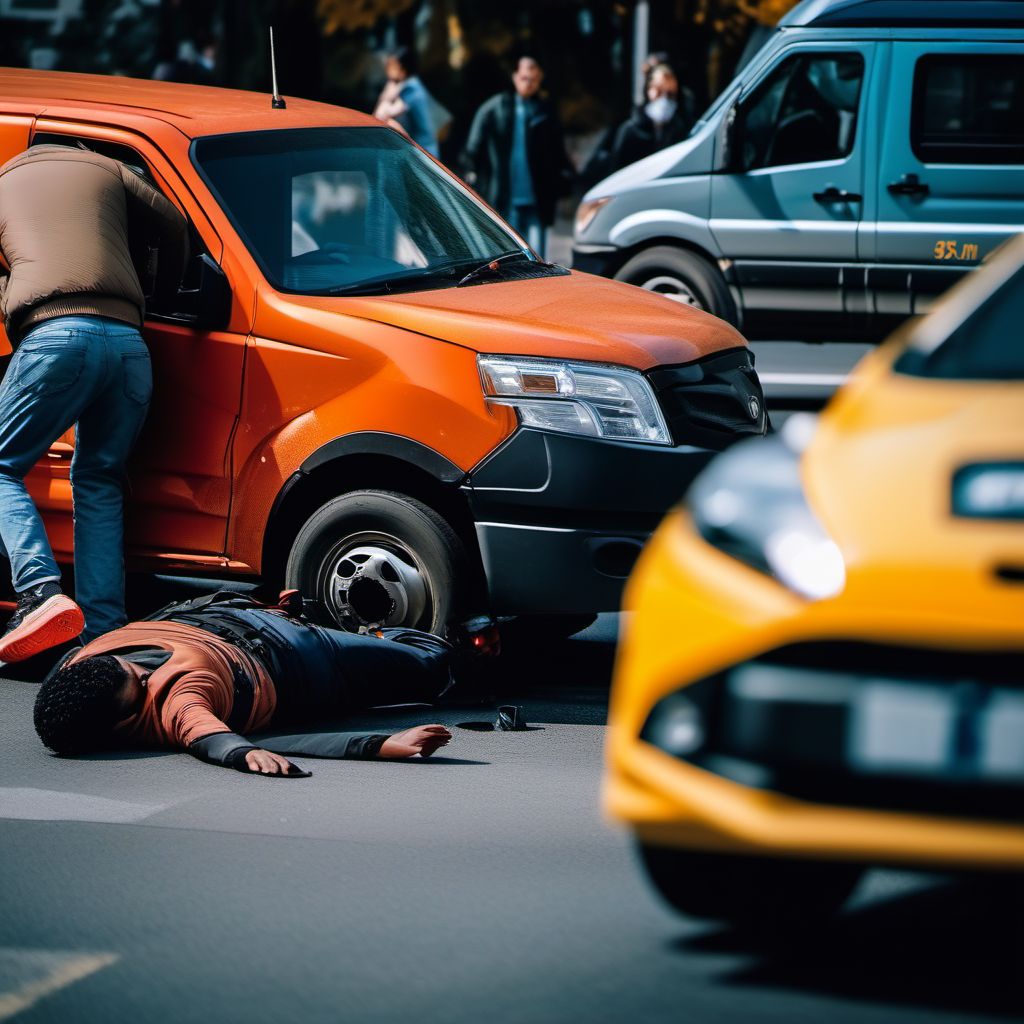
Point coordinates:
[(836, 195), (908, 185), (61, 450)]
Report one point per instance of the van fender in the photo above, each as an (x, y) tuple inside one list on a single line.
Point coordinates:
[(645, 227), (376, 442), (376, 459)]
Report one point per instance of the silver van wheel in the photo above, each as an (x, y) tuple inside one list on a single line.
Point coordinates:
[(369, 559), (373, 581), (682, 275), (673, 288)]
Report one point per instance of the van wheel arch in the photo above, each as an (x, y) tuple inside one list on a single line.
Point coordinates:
[(694, 267), (306, 491)]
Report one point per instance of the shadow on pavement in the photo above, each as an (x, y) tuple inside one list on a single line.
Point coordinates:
[(955, 947), (134, 754), (449, 762)]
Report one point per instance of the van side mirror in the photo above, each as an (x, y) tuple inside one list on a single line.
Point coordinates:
[(727, 142), (208, 305)]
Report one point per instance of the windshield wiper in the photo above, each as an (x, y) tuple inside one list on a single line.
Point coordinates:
[(391, 285), (491, 265)]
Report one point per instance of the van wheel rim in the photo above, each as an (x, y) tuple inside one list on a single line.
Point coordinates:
[(372, 580), (673, 288)]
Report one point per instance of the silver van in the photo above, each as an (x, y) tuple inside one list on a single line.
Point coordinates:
[(868, 156)]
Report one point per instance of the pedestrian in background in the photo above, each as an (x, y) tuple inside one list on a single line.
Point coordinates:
[(515, 155), (405, 103), (663, 120), (72, 303)]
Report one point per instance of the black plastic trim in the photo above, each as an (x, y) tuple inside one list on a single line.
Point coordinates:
[(603, 264), (562, 480), (560, 519), (372, 442)]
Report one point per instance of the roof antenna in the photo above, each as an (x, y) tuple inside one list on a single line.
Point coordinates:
[(275, 100)]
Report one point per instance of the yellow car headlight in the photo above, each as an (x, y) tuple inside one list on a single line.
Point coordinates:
[(750, 503)]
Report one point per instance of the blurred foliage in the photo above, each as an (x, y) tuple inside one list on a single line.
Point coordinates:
[(331, 49), (350, 15)]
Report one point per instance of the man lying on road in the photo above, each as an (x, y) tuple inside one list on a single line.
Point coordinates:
[(209, 671)]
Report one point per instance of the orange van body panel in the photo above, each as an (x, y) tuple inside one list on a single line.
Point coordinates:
[(236, 412), (605, 321), (348, 375), (14, 132), (193, 109)]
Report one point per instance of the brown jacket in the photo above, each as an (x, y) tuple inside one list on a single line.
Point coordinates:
[(192, 694), (75, 231)]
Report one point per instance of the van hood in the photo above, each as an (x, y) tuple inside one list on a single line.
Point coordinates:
[(578, 316), (690, 156)]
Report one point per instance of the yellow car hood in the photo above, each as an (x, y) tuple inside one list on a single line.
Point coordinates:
[(878, 473)]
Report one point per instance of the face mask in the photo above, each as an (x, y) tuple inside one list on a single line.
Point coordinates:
[(661, 110)]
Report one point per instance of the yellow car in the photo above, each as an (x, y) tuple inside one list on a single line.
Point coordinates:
[(824, 665)]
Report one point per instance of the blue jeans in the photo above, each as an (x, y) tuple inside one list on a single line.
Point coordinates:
[(95, 373), (526, 220)]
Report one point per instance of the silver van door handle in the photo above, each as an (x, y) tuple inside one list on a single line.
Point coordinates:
[(836, 195), (908, 185)]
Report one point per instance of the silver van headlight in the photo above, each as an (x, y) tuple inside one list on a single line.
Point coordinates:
[(576, 398)]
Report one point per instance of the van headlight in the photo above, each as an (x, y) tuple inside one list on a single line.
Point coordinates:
[(576, 398), (587, 211), (750, 503)]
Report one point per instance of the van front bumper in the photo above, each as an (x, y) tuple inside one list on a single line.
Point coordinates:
[(561, 519), (601, 260)]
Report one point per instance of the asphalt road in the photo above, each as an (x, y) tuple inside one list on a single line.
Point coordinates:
[(483, 885)]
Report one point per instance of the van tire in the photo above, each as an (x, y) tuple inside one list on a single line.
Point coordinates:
[(766, 895), (672, 271), (404, 530)]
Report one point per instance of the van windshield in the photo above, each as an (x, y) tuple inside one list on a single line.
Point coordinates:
[(342, 211)]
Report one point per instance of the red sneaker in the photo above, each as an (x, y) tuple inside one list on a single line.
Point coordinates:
[(44, 618)]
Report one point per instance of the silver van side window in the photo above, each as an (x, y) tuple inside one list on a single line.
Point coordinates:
[(968, 109), (805, 111)]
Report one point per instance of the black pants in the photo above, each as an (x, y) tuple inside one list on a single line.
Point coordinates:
[(323, 673)]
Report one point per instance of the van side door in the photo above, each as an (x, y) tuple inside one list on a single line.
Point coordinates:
[(787, 208), (180, 477), (14, 130), (951, 171)]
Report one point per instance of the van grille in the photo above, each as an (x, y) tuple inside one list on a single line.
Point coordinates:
[(714, 401)]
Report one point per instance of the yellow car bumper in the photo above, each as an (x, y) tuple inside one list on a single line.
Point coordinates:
[(695, 612)]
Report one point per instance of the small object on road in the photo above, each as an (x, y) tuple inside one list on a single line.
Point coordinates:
[(510, 719)]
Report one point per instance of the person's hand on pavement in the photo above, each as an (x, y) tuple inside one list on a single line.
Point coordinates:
[(266, 763), (421, 739)]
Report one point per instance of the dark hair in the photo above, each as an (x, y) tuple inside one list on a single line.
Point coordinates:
[(531, 57), (406, 56), (77, 707)]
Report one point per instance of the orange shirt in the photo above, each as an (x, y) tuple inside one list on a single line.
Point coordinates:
[(190, 695)]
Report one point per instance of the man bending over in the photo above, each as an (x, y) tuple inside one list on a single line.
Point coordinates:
[(210, 671)]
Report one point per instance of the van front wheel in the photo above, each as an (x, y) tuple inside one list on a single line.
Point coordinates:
[(378, 558), (683, 276)]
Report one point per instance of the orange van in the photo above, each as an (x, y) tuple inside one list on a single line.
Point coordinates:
[(369, 387)]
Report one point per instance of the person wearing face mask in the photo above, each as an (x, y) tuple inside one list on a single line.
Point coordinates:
[(405, 103), (665, 118)]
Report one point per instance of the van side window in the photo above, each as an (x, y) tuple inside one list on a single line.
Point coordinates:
[(135, 160), (968, 109), (806, 111)]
